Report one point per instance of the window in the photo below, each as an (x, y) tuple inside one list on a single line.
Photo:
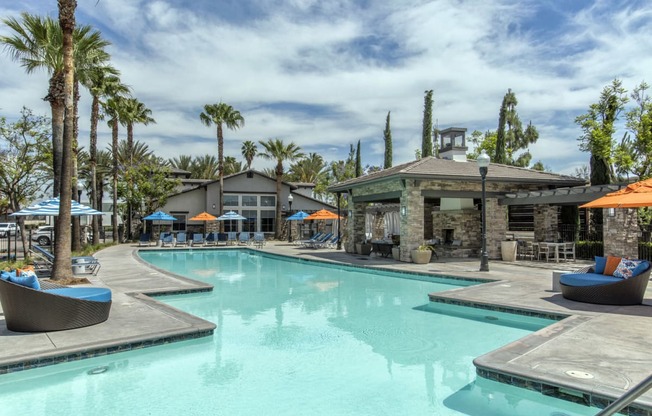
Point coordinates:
[(250, 223), (249, 201), (267, 221), (230, 200), (180, 223), (267, 201)]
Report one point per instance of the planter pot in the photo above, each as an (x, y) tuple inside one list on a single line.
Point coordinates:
[(508, 250), (364, 249), (396, 253), (421, 256)]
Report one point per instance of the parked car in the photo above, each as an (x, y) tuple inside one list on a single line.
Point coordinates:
[(9, 228), (43, 235)]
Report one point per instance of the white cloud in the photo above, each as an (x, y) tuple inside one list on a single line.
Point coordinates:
[(328, 55)]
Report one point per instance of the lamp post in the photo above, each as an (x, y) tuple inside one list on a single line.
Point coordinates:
[(483, 163), (290, 199)]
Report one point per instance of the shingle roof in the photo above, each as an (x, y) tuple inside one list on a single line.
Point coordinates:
[(437, 169)]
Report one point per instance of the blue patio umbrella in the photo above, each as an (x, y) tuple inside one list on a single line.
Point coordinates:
[(50, 207), (231, 215), (298, 216), (159, 216)]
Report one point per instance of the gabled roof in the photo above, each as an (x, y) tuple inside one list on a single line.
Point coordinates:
[(433, 168)]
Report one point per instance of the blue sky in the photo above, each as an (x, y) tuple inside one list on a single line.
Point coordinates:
[(324, 74)]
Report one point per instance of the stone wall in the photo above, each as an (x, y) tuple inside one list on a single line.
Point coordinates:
[(621, 233)]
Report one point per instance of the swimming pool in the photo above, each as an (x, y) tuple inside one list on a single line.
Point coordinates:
[(295, 337)]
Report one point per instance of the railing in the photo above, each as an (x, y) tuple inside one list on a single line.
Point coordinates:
[(588, 242), (627, 398)]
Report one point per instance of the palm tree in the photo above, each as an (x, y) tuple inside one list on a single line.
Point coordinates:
[(221, 114), (276, 150), (62, 266), (113, 107), (38, 43), (183, 162), (249, 151), (231, 165), (205, 167), (102, 82), (133, 111)]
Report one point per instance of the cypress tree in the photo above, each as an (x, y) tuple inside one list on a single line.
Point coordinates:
[(387, 134), (358, 162), (426, 139)]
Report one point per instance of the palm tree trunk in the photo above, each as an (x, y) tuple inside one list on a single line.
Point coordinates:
[(114, 217), (95, 111), (220, 170), (62, 266), (56, 98), (76, 226), (279, 179)]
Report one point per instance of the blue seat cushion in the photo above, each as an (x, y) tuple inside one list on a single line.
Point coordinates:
[(587, 279), (97, 294)]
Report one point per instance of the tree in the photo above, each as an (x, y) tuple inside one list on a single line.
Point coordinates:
[(358, 162), (102, 82), (207, 167), (62, 265), (183, 162), (24, 161), (249, 151), (221, 114), (510, 135), (38, 43), (133, 111), (598, 129), (276, 150), (639, 143), (387, 136), (426, 136), (112, 108), (311, 169), (231, 165)]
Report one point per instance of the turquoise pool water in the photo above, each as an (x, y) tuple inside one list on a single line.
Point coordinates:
[(296, 338)]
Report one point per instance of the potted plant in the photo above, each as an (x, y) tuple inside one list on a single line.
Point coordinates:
[(421, 254), (363, 248), (396, 252)]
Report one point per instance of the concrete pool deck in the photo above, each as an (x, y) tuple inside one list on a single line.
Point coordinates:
[(599, 351)]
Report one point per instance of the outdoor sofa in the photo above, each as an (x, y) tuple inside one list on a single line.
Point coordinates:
[(32, 306), (610, 281)]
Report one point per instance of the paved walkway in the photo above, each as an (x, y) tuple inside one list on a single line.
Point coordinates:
[(600, 350)]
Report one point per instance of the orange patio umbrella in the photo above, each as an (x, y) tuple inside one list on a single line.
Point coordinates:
[(204, 216), (635, 195), (322, 214)]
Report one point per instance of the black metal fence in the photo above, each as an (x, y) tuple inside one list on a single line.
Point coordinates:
[(589, 241)]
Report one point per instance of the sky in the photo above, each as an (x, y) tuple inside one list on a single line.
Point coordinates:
[(324, 74)]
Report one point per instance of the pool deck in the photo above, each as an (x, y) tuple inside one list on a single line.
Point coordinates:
[(599, 351)]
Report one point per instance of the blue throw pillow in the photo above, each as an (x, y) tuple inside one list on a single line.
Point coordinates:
[(28, 281), (600, 263), (642, 266)]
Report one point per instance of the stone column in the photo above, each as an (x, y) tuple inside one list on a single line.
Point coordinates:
[(412, 221), (545, 223), (497, 225), (621, 233)]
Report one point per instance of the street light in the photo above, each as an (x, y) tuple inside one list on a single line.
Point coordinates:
[(290, 199), (483, 163)]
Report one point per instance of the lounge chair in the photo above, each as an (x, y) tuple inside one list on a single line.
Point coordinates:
[(591, 286), (259, 240), (320, 240), (243, 238), (181, 240), (167, 239), (222, 238), (197, 240), (313, 238), (330, 243), (144, 240), (45, 306), (80, 264), (232, 238), (211, 239)]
